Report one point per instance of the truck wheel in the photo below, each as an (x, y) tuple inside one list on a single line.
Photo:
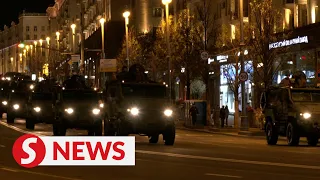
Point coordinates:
[(59, 130), (10, 118), (154, 139), (292, 133), (271, 133), (169, 135), (312, 140), (30, 124)]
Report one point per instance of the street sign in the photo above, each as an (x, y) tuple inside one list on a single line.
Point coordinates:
[(204, 55), (108, 65), (243, 76)]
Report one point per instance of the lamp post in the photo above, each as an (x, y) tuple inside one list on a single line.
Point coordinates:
[(98, 74), (48, 53), (73, 27), (126, 15), (244, 119), (166, 3), (58, 39)]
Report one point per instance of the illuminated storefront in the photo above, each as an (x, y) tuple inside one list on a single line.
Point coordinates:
[(302, 55), (227, 77)]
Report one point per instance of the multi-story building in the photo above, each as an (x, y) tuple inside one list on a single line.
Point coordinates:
[(301, 17), (31, 27)]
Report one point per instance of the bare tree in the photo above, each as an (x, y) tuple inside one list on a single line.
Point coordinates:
[(266, 23)]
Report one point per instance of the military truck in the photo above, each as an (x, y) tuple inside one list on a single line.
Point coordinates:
[(139, 106), (78, 109), (292, 112)]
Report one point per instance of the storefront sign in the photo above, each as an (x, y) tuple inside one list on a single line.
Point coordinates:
[(108, 65), (284, 43)]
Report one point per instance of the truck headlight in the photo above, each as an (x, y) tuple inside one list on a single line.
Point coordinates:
[(69, 110), (134, 111), (37, 109), (16, 106), (96, 111), (305, 115), (4, 103), (168, 112)]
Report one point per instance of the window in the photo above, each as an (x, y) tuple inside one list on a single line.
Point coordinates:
[(35, 28), (43, 28), (27, 37), (35, 37), (27, 28), (43, 36), (157, 12)]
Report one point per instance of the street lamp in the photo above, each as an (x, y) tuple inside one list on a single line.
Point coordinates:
[(126, 15), (73, 27), (40, 41), (58, 39), (166, 3), (48, 40), (102, 21), (244, 119)]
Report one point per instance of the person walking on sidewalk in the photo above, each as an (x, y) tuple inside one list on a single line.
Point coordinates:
[(227, 115), (222, 116), (193, 113)]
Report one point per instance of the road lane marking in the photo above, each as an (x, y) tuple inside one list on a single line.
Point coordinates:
[(16, 128), (222, 175), (36, 173), (229, 160), (9, 169)]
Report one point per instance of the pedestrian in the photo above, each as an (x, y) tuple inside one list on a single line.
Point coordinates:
[(227, 115), (286, 82), (222, 116), (193, 113)]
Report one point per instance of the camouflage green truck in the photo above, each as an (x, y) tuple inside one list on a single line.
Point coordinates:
[(292, 113)]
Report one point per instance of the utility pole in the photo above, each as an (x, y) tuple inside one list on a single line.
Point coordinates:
[(82, 38), (244, 119)]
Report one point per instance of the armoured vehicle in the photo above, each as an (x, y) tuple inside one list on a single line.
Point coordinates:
[(18, 100), (41, 104), (79, 109), (139, 106), (292, 112)]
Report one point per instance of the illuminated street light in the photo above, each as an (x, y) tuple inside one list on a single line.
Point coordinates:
[(35, 43), (58, 35), (27, 47), (48, 40), (21, 45), (40, 41), (73, 27), (126, 14)]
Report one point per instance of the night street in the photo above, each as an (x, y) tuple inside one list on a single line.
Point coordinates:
[(194, 156)]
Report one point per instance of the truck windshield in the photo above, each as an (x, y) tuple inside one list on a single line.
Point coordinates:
[(74, 95), (145, 91), (305, 97)]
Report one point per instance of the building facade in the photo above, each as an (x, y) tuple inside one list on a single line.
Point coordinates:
[(299, 16), (31, 27)]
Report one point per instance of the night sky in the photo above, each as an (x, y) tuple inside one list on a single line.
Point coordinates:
[(10, 10)]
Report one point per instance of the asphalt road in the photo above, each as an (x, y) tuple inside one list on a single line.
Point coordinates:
[(195, 155)]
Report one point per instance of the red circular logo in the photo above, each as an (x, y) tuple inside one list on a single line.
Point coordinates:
[(29, 151)]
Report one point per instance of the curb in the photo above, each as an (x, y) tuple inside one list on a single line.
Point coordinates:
[(239, 134)]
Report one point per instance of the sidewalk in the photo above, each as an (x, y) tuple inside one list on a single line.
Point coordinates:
[(229, 131)]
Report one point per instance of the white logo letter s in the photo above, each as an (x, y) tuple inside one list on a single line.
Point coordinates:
[(26, 148)]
